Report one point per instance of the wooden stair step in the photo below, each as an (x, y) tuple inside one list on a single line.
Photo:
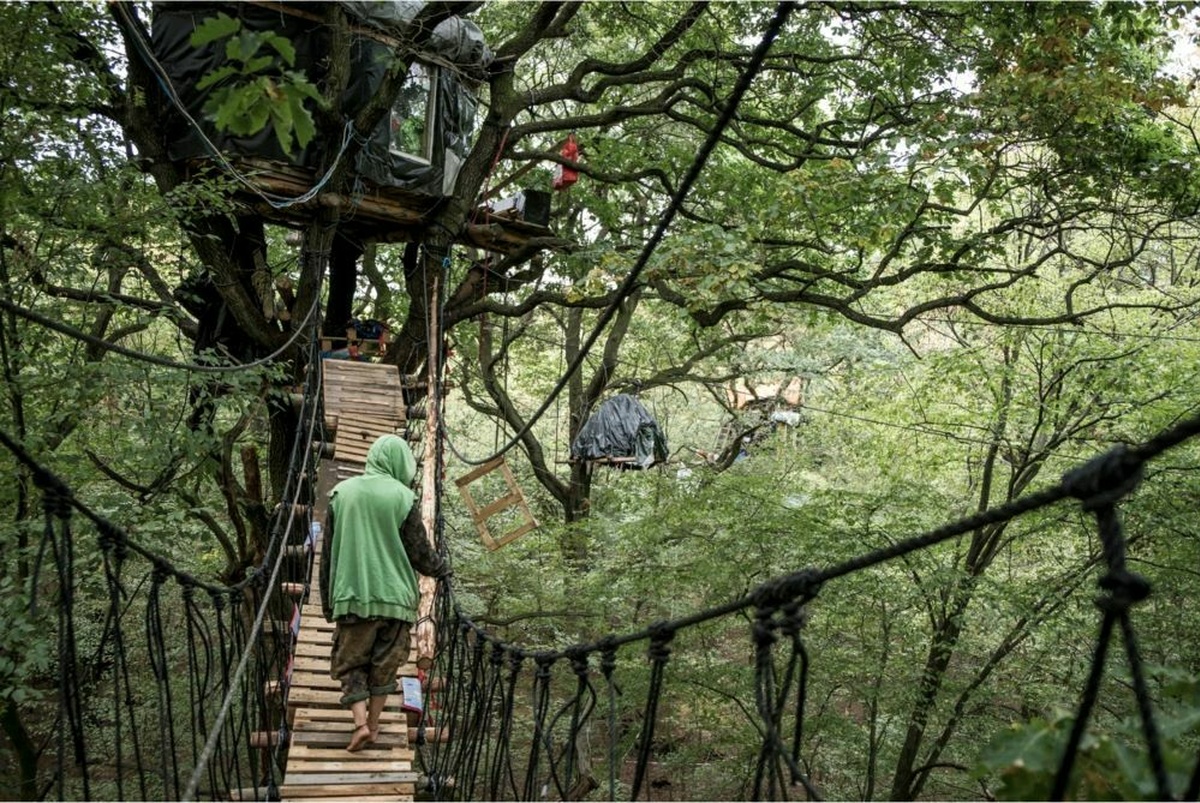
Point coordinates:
[(352, 794), (368, 756), (346, 790), (340, 737), (328, 698), (391, 715), (299, 776)]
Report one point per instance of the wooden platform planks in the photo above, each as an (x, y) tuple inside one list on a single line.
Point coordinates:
[(367, 400)]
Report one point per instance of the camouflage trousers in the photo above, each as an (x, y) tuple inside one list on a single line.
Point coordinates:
[(367, 654)]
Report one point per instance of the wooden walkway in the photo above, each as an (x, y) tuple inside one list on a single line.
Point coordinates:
[(365, 401)]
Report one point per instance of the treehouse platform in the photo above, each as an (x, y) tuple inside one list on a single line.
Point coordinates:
[(384, 214)]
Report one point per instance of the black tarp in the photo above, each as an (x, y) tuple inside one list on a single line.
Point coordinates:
[(621, 427), (461, 47)]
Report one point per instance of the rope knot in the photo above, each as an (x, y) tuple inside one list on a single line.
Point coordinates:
[(795, 615), (578, 656), (545, 661), (56, 501), (162, 571), (1105, 479), (767, 595), (218, 599), (515, 658), (56, 496), (497, 656), (111, 539), (608, 655), (781, 591), (661, 634), (1125, 589), (764, 626)]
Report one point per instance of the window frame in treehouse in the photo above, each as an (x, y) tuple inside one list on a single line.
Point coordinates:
[(396, 115)]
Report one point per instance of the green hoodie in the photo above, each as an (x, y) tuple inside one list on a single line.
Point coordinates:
[(370, 572)]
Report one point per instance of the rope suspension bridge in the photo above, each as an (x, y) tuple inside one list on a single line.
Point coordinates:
[(195, 690), (203, 691)]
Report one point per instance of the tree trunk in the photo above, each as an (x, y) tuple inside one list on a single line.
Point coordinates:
[(941, 650), (23, 746)]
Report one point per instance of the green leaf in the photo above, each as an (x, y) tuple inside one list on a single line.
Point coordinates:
[(284, 47), (258, 64), (301, 119), (243, 46), (281, 118), (1034, 746), (214, 28), (216, 77)]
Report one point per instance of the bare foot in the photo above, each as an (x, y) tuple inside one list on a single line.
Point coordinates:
[(361, 738), (374, 733)]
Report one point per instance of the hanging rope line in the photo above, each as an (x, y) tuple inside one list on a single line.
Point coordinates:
[(70, 331), (782, 12)]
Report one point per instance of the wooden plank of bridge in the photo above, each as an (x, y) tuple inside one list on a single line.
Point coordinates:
[(319, 768), (366, 399)]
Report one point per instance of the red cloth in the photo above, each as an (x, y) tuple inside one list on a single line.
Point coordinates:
[(566, 176)]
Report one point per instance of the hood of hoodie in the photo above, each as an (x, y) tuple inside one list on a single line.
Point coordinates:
[(391, 455)]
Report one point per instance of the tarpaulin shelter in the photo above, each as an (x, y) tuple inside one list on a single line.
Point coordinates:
[(623, 433), (419, 147)]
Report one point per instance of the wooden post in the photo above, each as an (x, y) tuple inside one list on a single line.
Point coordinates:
[(425, 636)]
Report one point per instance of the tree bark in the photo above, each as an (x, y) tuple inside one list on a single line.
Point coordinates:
[(24, 748)]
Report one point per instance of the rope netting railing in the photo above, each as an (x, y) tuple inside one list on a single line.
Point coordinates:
[(163, 686), (533, 723)]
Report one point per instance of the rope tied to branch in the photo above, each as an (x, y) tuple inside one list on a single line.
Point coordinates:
[(516, 657), (545, 662), (661, 634), (764, 629), (608, 656), (1100, 484), (497, 656), (793, 618), (56, 496)]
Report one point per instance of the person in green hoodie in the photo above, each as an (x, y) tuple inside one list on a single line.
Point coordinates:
[(374, 539)]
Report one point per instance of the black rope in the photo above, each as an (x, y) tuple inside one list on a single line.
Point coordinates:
[(659, 653), (629, 284), (541, 707), (608, 665), (1100, 484), (223, 654)]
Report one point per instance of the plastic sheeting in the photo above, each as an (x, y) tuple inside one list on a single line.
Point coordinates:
[(456, 40), (621, 427), (453, 104)]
